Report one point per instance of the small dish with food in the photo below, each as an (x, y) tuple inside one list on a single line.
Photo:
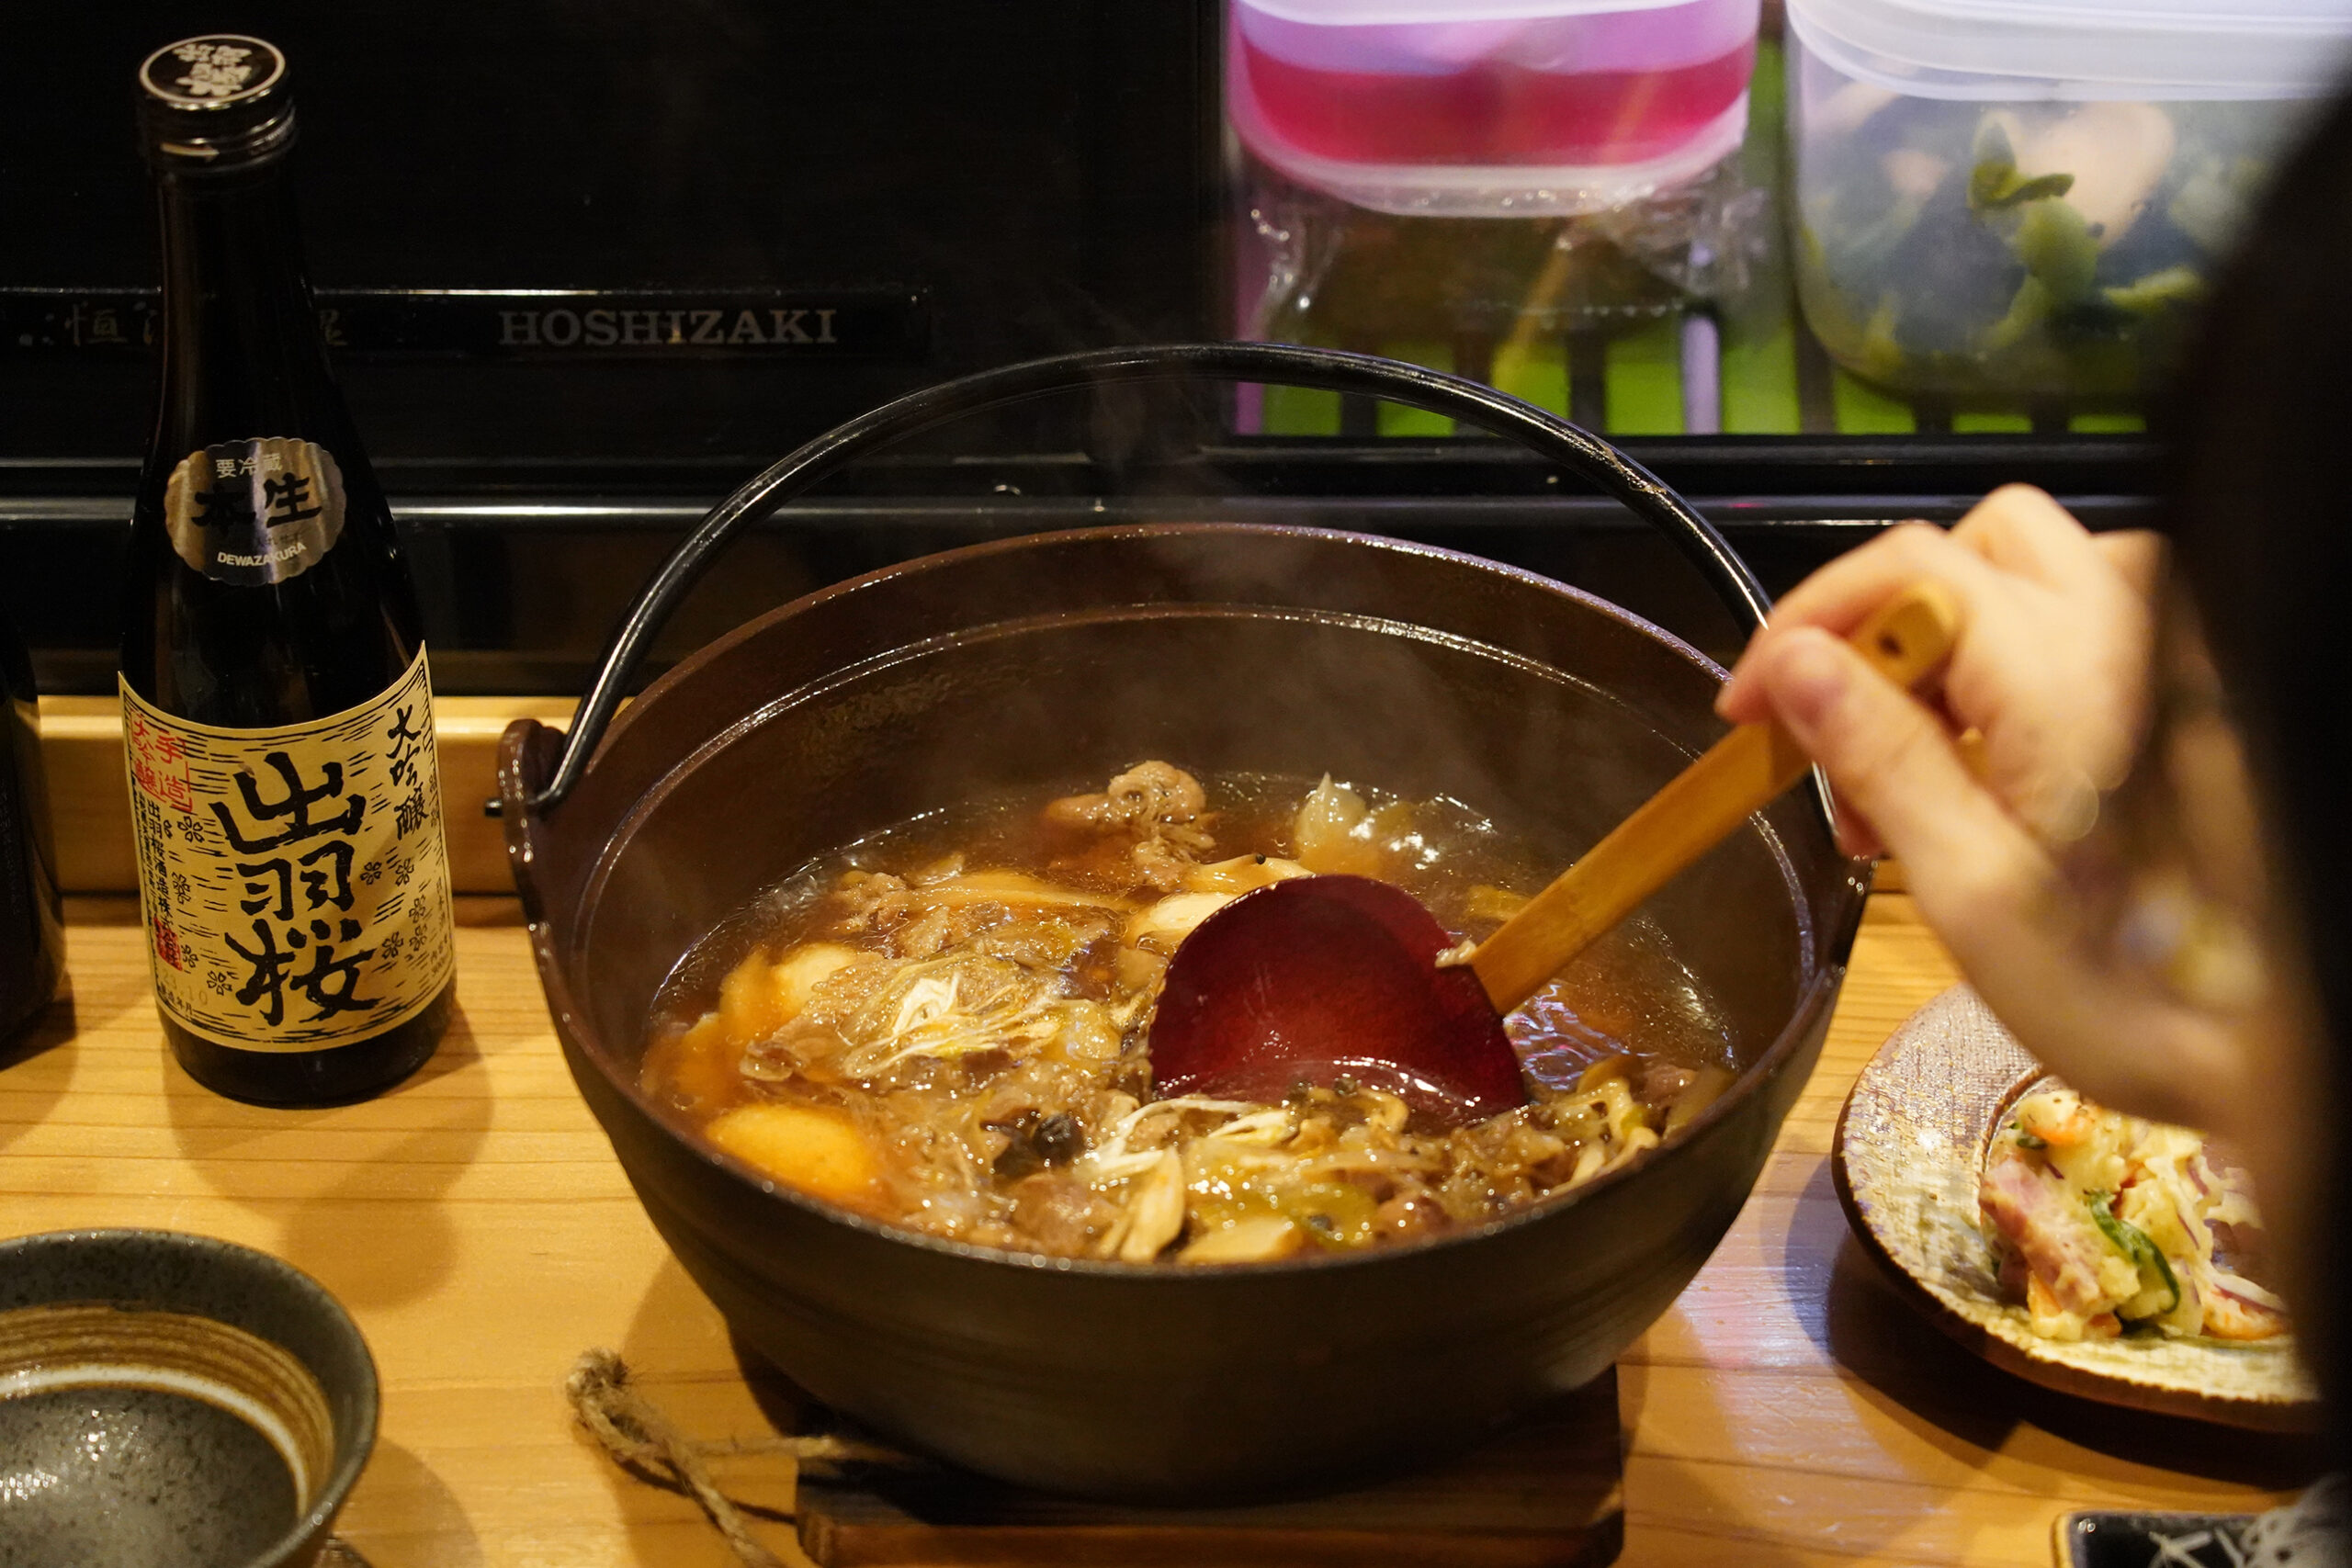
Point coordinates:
[(2106, 1224), (2088, 1251)]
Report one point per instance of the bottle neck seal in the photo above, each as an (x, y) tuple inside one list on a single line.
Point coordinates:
[(217, 103)]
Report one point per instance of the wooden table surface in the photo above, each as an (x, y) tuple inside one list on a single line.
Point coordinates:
[(1788, 1410)]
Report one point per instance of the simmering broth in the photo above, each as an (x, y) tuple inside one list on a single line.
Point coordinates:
[(944, 1027)]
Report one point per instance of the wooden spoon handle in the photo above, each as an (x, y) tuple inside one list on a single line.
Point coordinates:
[(1907, 639)]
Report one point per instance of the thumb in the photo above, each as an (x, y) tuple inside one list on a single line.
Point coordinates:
[(1893, 761)]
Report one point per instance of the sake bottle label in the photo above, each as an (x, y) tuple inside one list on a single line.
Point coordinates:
[(295, 881), (254, 511)]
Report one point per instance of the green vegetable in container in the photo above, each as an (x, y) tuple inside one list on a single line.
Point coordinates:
[(2159, 291), (2019, 250), (1995, 183), (2059, 248)]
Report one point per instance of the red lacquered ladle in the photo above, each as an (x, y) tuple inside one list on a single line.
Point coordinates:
[(1320, 977)]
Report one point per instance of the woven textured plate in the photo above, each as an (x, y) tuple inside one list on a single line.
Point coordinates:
[(1910, 1143)]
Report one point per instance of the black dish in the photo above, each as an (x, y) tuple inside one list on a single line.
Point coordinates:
[(106, 1337)]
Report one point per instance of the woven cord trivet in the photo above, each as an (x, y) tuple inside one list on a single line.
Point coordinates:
[(642, 1439)]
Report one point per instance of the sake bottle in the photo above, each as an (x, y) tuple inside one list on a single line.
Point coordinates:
[(32, 935), (277, 712)]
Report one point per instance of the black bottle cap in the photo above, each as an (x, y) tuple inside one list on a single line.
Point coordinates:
[(215, 102)]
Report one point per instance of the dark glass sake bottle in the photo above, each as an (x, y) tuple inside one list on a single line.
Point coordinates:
[(278, 710), (32, 936)]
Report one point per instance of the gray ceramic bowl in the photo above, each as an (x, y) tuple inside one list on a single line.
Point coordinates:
[(172, 1401)]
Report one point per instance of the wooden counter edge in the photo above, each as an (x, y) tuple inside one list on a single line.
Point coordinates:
[(81, 744)]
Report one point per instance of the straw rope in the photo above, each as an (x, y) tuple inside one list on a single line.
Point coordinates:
[(641, 1439)]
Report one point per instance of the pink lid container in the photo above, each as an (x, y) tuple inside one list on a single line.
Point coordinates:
[(1490, 107)]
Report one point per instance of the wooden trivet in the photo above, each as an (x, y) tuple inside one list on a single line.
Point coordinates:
[(1545, 1493)]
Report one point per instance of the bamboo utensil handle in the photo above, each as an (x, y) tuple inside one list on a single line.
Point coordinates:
[(1906, 639)]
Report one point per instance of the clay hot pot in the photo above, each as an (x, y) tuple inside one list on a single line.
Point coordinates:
[(1051, 661)]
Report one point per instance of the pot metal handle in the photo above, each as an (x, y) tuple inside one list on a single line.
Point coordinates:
[(1466, 402)]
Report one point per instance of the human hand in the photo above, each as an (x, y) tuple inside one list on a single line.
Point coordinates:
[(2051, 670)]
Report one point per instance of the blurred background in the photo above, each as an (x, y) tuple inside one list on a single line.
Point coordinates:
[(587, 267)]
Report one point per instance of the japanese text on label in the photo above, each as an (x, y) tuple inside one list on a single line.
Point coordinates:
[(294, 880), (254, 511)]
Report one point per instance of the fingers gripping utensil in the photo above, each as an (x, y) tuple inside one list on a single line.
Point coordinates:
[(1323, 976)]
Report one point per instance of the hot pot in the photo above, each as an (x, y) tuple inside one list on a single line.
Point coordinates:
[(1052, 661)]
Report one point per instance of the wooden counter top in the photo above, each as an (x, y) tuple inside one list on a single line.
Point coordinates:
[(1789, 1410)]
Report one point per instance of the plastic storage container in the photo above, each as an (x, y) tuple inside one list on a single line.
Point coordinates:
[(2007, 201), (1490, 107)]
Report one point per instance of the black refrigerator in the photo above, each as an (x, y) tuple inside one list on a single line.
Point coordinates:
[(587, 268)]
